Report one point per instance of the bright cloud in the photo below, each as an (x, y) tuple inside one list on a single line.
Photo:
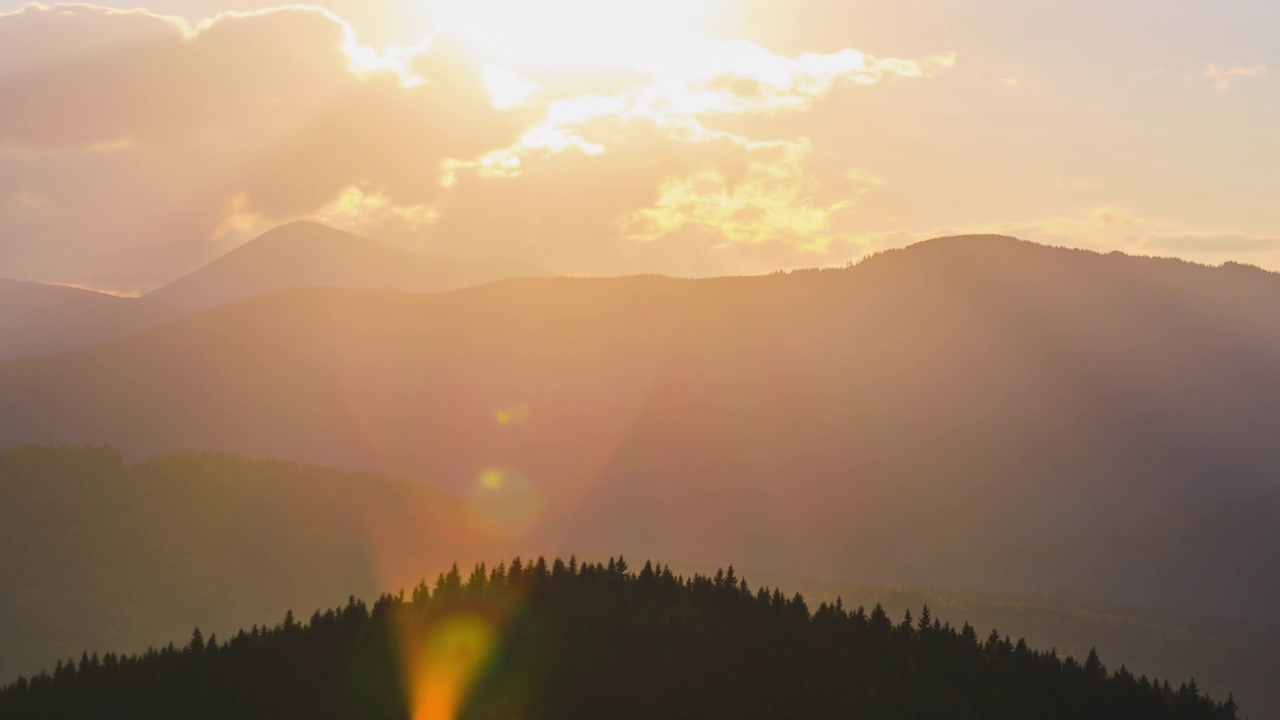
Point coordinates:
[(613, 137), (146, 137), (507, 88), (135, 145), (774, 199), (1224, 77)]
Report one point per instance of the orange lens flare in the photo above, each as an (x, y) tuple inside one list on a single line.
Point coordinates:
[(516, 414), (446, 664)]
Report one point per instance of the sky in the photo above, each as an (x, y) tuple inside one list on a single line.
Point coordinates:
[(689, 137)]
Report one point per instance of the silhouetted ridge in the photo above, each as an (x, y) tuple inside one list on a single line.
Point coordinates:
[(11, 288), (36, 318), (40, 319), (1001, 250), (305, 231), (307, 254), (304, 241), (308, 242), (974, 244), (564, 640)]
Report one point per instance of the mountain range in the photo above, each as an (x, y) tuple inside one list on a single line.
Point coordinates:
[(972, 413), (967, 412), (40, 319)]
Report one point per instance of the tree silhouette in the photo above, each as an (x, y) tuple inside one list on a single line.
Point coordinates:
[(570, 640)]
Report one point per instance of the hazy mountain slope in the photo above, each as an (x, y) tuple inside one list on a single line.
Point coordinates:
[(38, 319), (95, 553), (973, 412), (305, 254)]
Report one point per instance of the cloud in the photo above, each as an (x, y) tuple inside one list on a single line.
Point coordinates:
[(146, 137), (1115, 216), (135, 146), (772, 200), (739, 77), (630, 192), (1224, 77), (862, 181)]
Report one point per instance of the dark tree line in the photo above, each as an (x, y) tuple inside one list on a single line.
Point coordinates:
[(564, 640)]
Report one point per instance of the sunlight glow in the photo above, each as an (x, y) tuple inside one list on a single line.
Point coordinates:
[(506, 88), (559, 34), (667, 75)]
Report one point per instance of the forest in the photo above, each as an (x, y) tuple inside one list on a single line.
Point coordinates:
[(571, 640)]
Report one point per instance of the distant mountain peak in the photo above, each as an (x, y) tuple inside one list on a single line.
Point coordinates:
[(305, 235), (308, 254), (978, 243)]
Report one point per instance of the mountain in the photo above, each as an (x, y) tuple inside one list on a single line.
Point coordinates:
[(970, 412), (37, 319), (98, 553), (559, 640), (306, 254)]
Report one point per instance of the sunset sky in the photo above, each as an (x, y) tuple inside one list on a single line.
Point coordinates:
[(690, 137)]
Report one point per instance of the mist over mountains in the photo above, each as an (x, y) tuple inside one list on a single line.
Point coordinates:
[(973, 413)]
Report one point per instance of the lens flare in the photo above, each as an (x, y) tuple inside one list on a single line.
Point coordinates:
[(504, 503), (447, 665), (491, 480), (514, 414)]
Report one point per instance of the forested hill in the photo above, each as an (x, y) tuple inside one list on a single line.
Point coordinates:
[(564, 641)]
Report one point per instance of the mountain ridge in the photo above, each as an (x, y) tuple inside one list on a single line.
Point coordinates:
[(309, 254), (39, 319), (1027, 397)]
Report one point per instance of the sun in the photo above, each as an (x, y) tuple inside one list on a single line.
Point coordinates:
[(536, 35)]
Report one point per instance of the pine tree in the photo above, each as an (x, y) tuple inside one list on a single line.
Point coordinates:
[(196, 643)]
